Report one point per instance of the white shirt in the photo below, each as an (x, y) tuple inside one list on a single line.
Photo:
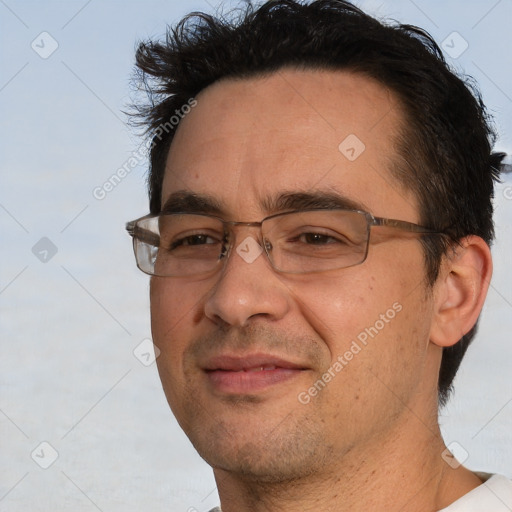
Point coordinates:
[(494, 495)]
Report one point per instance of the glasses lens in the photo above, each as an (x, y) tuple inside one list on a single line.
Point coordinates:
[(145, 243), (316, 241), (178, 245), (299, 242)]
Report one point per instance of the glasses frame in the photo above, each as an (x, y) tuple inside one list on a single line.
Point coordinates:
[(371, 221)]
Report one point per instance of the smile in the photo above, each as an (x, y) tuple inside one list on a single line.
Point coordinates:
[(249, 374)]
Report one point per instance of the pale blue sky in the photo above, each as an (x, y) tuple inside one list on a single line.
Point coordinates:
[(69, 326)]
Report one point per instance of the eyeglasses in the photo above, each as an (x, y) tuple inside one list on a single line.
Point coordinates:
[(297, 242)]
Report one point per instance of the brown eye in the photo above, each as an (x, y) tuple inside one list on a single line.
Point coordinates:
[(195, 240), (317, 239)]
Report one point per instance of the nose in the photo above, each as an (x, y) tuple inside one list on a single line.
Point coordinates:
[(247, 288)]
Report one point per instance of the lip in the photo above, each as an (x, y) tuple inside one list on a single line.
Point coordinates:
[(250, 373)]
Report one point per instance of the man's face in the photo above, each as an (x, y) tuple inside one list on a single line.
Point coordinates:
[(246, 142)]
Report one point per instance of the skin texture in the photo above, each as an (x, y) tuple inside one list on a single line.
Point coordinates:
[(370, 438)]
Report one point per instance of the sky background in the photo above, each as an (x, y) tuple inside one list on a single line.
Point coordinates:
[(75, 310)]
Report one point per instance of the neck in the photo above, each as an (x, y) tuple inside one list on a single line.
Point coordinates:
[(400, 470)]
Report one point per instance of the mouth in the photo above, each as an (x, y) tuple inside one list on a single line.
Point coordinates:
[(249, 374)]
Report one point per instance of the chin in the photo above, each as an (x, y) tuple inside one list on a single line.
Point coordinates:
[(271, 455)]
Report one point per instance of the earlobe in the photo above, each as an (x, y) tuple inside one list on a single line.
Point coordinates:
[(460, 290)]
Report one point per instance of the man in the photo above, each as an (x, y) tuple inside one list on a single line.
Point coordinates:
[(320, 197)]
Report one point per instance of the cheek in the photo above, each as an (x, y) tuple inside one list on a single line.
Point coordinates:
[(370, 306), (174, 312), (339, 307), (376, 330), (173, 308)]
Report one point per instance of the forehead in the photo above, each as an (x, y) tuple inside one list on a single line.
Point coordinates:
[(252, 139)]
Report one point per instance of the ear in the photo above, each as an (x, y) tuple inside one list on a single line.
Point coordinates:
[(460, 290)]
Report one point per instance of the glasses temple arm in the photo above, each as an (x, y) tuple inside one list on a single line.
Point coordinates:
[(142, 235), (403, 225)]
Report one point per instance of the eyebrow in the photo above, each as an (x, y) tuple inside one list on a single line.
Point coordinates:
[(184, 201), (305, 200), (189, 202)]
